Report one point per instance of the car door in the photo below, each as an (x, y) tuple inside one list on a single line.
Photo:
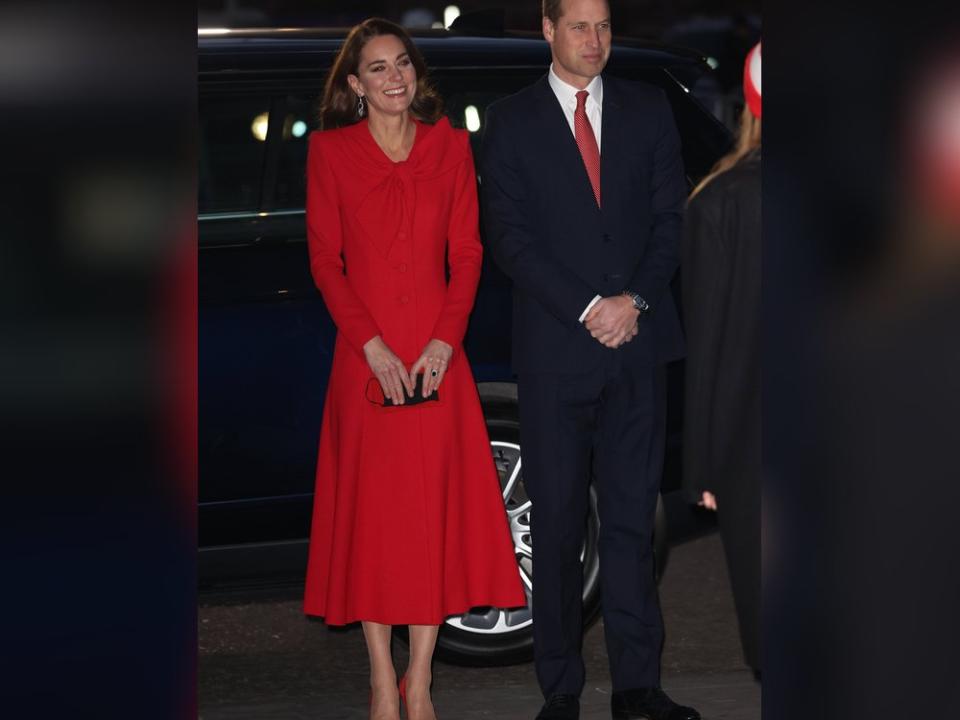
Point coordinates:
[(265, 338)]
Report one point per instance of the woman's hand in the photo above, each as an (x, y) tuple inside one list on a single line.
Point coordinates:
[(388, 369), (433, 361)]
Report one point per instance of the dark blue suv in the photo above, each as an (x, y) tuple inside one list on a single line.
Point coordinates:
[(266, 339)]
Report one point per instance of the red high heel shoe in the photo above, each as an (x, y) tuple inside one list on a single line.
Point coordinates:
[(403, 692)]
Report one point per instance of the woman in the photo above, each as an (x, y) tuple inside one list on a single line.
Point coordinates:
[(721, 273), (408, 524)]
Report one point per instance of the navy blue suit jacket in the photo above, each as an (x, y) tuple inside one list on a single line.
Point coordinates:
[(546, 232)]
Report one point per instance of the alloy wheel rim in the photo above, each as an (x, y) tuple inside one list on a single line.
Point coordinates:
[(493, 620)]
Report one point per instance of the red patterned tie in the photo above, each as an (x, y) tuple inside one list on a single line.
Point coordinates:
[(587, 142)]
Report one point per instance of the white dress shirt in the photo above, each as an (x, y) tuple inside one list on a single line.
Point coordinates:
[(567, 97)]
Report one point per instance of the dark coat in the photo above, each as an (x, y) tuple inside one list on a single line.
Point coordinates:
[(720, 277), (546, 232)]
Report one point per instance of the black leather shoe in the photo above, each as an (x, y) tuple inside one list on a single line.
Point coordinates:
[(560, 707), (648, 704)]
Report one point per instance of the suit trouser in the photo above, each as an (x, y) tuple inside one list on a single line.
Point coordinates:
[(611, 422)]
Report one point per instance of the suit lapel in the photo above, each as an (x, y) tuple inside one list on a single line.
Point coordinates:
[(613, 137), (556, 131)]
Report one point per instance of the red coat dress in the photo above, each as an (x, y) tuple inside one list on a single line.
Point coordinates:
[(408, 521)]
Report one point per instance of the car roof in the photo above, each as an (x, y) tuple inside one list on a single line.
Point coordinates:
[(305, 50)]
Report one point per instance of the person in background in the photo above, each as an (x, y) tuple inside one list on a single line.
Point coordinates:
[(721, 278), (408, 526)]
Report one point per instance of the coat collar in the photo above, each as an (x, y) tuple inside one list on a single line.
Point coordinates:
[(567, 94), (389, 197), (430, 155)]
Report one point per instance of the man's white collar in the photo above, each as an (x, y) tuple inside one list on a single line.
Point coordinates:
[(567, 93)]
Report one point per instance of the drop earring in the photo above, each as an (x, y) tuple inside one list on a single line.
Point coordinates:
[(361, 106)]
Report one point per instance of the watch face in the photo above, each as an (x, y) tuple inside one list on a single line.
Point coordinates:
[(638, 302)]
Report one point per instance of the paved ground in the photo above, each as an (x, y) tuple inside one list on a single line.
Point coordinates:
[(261, 659)]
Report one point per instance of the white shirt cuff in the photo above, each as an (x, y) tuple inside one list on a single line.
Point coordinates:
[(587, 309)]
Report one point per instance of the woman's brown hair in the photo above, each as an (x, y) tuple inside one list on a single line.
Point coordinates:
[(747, 140), (338, 107)]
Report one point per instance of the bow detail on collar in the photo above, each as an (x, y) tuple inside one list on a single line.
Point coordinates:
[(390, 199)]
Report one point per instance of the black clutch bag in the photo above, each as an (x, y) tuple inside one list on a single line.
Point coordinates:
[(379, 398)]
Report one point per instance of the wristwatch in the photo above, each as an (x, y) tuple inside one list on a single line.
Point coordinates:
[(638, 302)]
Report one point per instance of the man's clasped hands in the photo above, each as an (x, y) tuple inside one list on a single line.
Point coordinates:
[(613, 320)]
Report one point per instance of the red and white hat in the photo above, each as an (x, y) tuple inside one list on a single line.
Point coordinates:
[(934, 137), (751, 80)]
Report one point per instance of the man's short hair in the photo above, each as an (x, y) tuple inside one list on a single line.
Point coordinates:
[(552, 10)]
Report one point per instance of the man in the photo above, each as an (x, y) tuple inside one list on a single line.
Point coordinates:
[(584, 190)]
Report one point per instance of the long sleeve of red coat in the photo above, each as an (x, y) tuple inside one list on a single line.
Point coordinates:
[(325, 242), (464, 256)]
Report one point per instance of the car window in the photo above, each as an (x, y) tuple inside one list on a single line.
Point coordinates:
[(467, 109), (703, 138), (466, 98), (233, 132), (468, 94), (299, 120)]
